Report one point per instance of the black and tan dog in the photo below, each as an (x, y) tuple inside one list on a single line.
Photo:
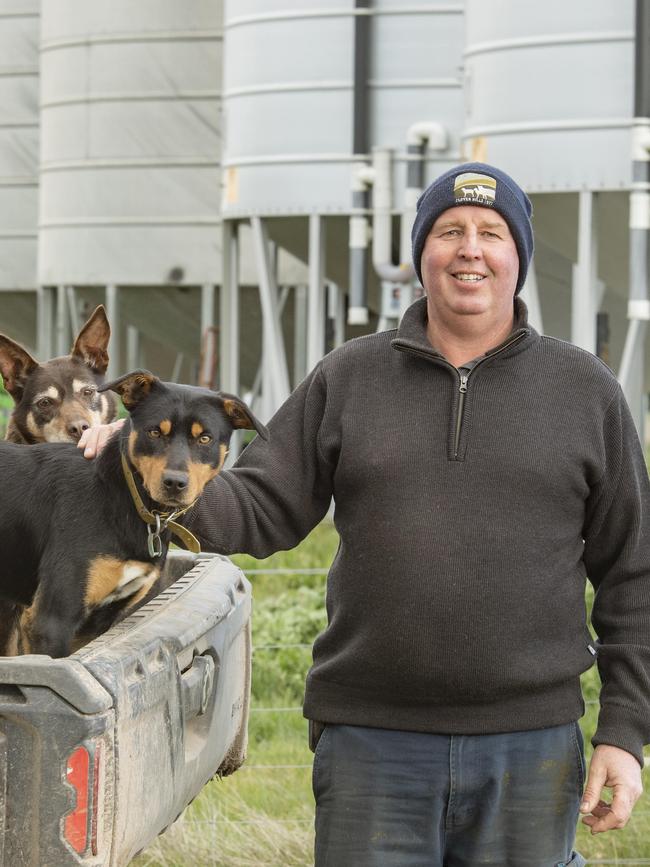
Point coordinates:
[(84, 541), (57, 400)]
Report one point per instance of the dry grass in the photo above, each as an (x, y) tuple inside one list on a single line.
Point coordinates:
[(207, 839)]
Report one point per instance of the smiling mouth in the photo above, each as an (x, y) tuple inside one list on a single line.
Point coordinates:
[(468, 276)]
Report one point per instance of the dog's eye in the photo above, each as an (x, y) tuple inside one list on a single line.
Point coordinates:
[(88, 392), (154, 433), (44, 403), (204, 439)]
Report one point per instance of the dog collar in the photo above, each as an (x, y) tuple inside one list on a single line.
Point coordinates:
[(158, 521)]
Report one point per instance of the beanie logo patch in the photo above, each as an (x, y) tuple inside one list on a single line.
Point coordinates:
[(474, 189)]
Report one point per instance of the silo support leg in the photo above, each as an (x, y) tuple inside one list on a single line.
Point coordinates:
[(632, 369), (229, 310), (44, 307), (300, 314), (62, 331), (631, 373), (530, 295), (275, 356), (336, 312), (73, 311), (585, 276), (133, 361), (316, 316), (113, 314), (207, 308)]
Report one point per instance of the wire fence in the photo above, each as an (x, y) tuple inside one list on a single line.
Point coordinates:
[(305, 767)]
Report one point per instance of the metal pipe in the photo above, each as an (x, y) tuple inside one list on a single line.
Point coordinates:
[(419, 136), (358, 243), (382, 221)]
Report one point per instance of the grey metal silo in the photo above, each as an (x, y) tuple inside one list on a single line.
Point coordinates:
[(326, 105), (130, 151), (19, 23)]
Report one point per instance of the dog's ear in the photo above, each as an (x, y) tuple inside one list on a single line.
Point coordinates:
[(15, 366), (240, 415), (91, 344), (132, 387)]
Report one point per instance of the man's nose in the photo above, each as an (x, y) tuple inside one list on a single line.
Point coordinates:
[(470, 247)]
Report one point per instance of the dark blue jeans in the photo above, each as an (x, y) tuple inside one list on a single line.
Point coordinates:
[(406, 799)]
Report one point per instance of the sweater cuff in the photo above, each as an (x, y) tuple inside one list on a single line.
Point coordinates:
[(619, 727)]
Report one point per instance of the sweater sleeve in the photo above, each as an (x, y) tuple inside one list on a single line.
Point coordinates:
[(617, 558), (278, 490)]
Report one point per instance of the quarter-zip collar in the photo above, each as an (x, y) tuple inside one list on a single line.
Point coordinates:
[(413, 339), (412, 334)]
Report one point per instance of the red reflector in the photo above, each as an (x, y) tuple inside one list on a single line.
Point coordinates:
[(76, 822), (94, 831)]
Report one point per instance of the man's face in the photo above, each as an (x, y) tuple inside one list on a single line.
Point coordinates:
[(470, 266)]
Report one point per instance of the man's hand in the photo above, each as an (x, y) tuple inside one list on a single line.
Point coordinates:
[(93, 440), (619, 771)]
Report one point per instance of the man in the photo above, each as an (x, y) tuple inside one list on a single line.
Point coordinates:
[(480, 472)]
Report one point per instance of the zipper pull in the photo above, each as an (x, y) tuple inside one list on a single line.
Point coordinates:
[(462, 388)]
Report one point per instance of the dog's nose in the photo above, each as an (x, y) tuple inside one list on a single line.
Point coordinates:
[(76, 428), (175, 482)]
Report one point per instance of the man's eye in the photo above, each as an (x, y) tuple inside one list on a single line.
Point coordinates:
[(154, 433), (204, 439)]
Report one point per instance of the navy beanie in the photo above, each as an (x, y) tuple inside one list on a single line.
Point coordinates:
[(476, 184)]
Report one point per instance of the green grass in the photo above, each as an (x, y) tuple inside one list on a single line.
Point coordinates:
[(264, 817), (6, 405)]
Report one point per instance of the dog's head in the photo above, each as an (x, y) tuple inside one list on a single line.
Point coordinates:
[(179, 434), (57, 400)]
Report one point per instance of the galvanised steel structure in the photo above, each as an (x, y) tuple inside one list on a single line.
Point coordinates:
[(338, 113), (171, 168)]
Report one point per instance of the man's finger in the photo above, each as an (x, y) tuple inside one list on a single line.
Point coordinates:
[(593, 789), (88, 442), (607, 819), (93, 440), (83, 439)]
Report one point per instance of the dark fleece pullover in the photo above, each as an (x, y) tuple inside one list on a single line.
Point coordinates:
[(470, 513)]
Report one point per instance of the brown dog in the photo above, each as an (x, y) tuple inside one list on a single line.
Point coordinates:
[(57, 400)]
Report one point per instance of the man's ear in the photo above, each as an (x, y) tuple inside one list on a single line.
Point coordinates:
[(240, 415), (16, 364), (132, 387), (91, 345)]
